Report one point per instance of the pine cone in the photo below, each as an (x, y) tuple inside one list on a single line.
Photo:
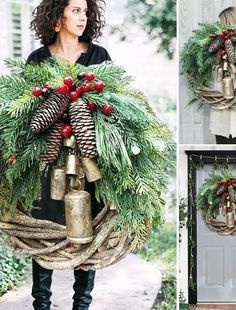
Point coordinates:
[(54, 140), (218, 58), (215, 45), (84, 128), (220, 189), (222, 200), (229, 48), (231, 193), (49, 112)]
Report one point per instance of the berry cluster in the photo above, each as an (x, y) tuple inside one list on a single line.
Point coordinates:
[(44, 91), (224, 34), (86, 83)]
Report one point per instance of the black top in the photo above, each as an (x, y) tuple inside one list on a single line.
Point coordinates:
[(47, 208), (95, 55)]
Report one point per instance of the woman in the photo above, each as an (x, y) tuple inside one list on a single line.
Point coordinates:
[(66, 29), (222, 122)]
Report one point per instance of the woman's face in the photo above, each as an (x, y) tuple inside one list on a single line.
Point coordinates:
[(75, 17)]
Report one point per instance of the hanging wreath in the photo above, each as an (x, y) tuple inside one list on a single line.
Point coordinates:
[(211, 48), (82, 121), (217, 196)]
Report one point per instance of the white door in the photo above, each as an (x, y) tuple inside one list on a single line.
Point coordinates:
[(216, 258)]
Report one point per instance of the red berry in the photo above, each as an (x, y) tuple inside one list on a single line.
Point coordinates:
[(63, 89), (227, 37), (107, 109), (66, 131), (81, 76), (99, 86), (86, 88), (224, 34), (90, 76), (78, 90), (91, 105), (222, 53), (73, 95), (73, 87), (45, 91), (37, 91), (68, 81)]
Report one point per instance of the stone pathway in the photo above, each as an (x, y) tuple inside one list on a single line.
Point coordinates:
[(129, 284)]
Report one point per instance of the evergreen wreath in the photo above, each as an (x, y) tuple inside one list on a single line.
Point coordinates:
[(211, 48), (216, 196), (42, 104)]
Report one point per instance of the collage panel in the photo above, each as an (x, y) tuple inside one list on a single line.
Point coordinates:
[(207, 227), (207, 67), (88, 141)]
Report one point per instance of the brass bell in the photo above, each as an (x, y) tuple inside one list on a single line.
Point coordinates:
[(233, 68), (225, 65), (78, 217), (224, 210), (228, 87), (72, 164), (70, 142), (58, 183), (230, 219), (91, 169), (219, 74), (78, 182)]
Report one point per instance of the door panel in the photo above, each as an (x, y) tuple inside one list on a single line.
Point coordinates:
[(216, 257)]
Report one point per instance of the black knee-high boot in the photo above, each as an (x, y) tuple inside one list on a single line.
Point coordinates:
[(83, 286), (42, 279)]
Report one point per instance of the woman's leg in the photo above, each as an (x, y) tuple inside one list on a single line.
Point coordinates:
[(83, 286), (42, 279)]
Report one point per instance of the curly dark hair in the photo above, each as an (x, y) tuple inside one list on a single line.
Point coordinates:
[(48, 12)]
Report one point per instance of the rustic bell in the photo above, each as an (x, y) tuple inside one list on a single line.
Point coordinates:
[(70, 142), (233, 68), (224, 210), (91, 169), (72, 164), (77, 182), (228, 87), (230, 219), (225, 65), (219, 74), (58, 183), (78, 217)]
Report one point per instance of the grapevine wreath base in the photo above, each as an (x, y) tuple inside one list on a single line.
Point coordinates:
[(46, 242), (220, 227), (214, 98)]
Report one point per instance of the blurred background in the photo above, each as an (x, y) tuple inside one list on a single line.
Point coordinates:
[(140, 36)]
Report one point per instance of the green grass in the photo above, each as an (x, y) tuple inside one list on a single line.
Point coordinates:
[(12, 269), (160, 248)]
